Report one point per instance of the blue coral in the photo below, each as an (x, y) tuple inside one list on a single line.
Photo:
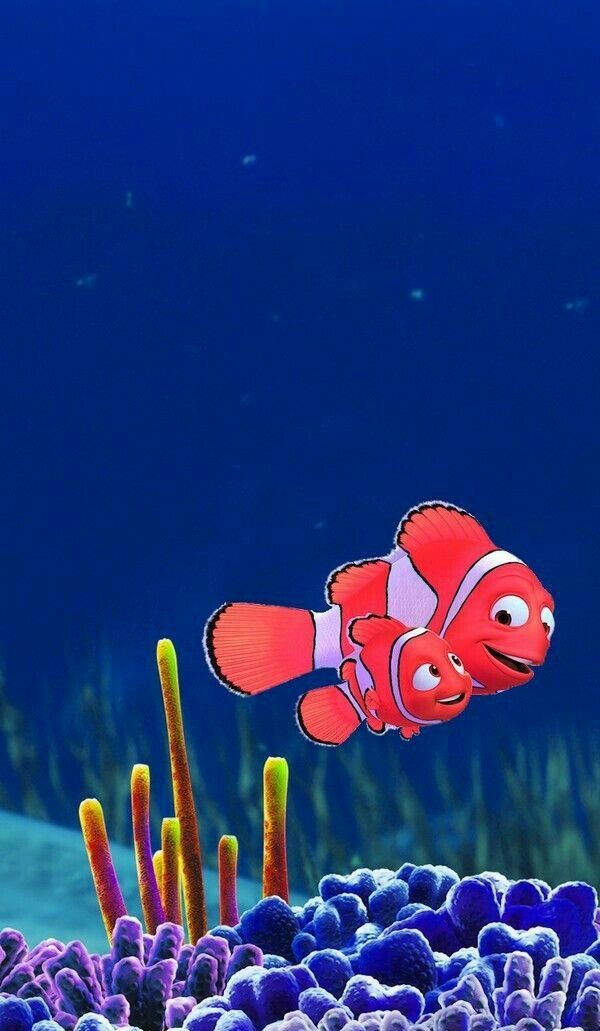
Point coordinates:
[(272, 925), (364, 994), (385, 902), (374, 951), (332, 970), (400, 958), (540, 943), (360, 882)]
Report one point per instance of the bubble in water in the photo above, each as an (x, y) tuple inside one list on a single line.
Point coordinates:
[(88, 281), (577, 305)]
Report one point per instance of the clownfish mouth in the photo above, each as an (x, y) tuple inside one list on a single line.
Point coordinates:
[(518, 665), (452, 699)]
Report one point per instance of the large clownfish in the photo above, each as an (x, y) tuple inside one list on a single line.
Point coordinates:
[(398, 678), (444, 573)]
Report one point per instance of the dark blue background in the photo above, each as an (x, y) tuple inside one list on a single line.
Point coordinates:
[(248, 396)]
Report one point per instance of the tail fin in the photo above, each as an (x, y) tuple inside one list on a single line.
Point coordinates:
[(251, 648), (327, 716)]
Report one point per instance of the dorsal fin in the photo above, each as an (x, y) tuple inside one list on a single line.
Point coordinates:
[(365, 628), (438, 522), (357, 577)]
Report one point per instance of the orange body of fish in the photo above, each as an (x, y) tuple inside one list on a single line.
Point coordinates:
[(444, 574), (398, 678)]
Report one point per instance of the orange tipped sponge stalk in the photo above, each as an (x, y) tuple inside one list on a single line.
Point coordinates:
[(171, 869), (110, 898), (140, 813), (157, 863), (228, 906), (191, 854), (275, 785), (178, 863)]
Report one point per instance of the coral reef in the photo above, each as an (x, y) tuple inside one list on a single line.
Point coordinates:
[(185, 810), (228, 903), (159, 874), (46, 889), (275, 869), (106, 882), (391, 949), (376, 949), (168, 868)]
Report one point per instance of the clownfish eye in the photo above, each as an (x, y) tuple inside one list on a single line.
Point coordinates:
[(510, 611), (426, 677), (548, 621), (454, 659)]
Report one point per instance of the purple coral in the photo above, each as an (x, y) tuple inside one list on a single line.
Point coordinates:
[(374, 951)]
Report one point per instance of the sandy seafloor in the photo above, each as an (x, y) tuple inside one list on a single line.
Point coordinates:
[(46, 888)]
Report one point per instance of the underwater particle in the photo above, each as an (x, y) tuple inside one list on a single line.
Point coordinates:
[(129, 200), (227, 865), (248, 160), (110, 898), (499, 122), (577, 305), (185, 810), (87, 281), (171, 869), (417, 294), (140, 813), (275, 785)]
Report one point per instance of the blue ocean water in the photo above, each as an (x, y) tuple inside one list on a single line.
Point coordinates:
[(271, 274)]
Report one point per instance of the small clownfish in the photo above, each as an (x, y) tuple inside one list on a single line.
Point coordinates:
[(397, 679), (443, 573)]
